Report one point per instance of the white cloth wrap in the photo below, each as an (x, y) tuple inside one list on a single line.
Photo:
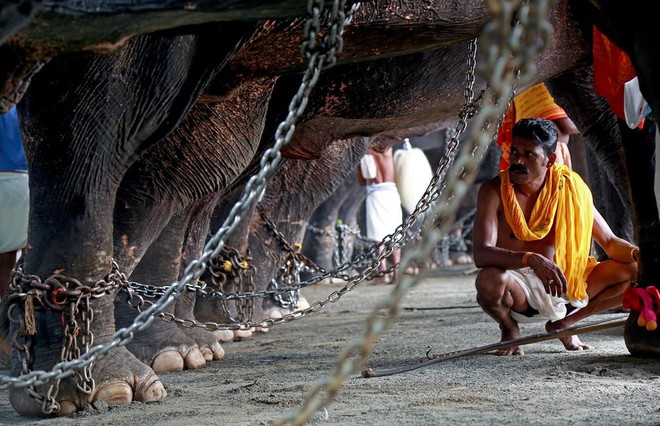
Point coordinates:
[(635, 107), (14, 210), (383, 210), (368, 167), (413, 175), (550, 307)]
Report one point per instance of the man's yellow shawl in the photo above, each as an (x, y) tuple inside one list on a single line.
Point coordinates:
[(566, 200)]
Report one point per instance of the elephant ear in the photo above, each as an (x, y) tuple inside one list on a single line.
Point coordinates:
[(413, 174)]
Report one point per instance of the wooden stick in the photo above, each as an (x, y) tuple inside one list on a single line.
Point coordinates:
[(540, 337)]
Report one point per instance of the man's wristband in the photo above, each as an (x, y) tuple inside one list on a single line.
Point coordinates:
[(525, 258)]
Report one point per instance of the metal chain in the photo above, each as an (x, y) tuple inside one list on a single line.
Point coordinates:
[(231, 270), (27, 294), (398, 238), (288, 276), (388, 244), (320, 232), (318, 58), (506, 48)]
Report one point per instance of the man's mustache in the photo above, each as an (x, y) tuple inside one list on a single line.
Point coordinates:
[(516, 168)]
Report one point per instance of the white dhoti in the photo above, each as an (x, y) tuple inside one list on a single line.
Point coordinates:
[(383, 208), (550, 307), (14, 210)]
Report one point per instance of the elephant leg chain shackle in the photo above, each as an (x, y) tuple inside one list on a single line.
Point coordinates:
[(28, 295)]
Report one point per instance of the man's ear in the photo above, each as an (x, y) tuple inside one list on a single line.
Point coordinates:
[(551, 159)]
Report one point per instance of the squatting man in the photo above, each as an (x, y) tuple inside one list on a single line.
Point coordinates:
[(532, 240)]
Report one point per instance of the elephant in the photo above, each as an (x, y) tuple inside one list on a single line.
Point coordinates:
[(322, 242), (98, 137)]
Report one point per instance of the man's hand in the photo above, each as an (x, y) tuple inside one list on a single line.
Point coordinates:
[(549, 273)]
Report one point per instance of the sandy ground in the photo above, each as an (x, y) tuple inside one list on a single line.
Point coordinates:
[(268, 376)]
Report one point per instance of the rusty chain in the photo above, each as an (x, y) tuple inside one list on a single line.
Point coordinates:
[(28, 294), (231, 273), (320, 55)]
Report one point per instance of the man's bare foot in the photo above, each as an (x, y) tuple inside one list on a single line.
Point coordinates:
[(571, 343), (510, 334)]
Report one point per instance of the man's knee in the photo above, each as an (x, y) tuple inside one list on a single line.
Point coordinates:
[(625, 272), (490, 280)]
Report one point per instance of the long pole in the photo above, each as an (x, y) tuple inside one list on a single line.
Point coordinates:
[(540, 337)]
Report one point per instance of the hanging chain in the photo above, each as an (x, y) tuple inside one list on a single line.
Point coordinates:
[(232, 273), (506, 49), (399, 237), (288, 276)]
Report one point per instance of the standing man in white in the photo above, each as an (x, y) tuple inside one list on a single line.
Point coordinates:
[(383, 204)]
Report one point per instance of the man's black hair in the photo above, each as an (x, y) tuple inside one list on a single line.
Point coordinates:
[(540, 131)]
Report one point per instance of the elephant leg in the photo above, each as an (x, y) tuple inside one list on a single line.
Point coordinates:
[(194, 242), (321, 235), (163, 346), (348, 212), (289, 210), (213, 144), (88, 123), (225, 311), (639, 146)]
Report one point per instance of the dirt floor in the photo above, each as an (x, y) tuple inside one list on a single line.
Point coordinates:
[(268, 376)]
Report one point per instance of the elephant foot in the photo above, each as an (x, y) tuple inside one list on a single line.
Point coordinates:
[(165, 348), (460, 258), (208, 343), (243, 334), (272, 310), (640, 341), (227, 336), (205, 311), (120, 378), (224, 336)]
